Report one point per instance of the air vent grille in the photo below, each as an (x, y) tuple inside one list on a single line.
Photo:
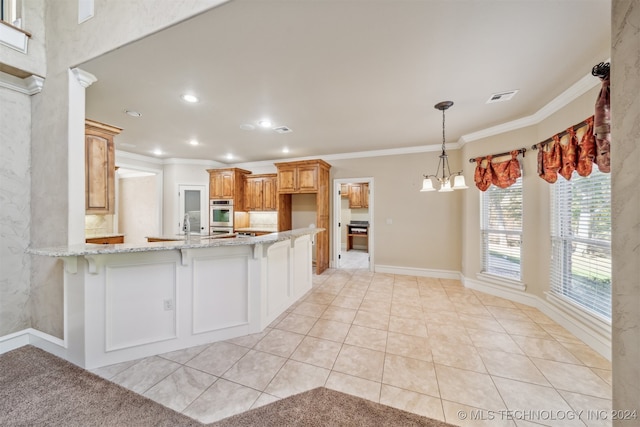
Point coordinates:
[(501, 96), (283, 129)]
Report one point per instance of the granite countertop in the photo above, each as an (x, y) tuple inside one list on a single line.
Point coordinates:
[(105, 236), (194, 242)]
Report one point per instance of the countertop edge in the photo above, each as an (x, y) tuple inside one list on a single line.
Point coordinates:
[(97, 249)]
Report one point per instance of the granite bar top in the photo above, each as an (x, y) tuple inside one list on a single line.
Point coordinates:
[(194, 242), (104, 236)]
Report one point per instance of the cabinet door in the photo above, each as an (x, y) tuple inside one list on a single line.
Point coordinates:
[(355, 196), (256, 195), (221, 185), (215, 185), (269, 194), (365, 195), (287, 179), (249, 198), (308, 178), (100, 174), (344, 191), (227, 179)]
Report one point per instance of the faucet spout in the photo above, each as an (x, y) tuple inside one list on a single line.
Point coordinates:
[(186, 226)]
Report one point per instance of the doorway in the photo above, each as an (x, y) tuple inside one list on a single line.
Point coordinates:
[(138, 203), (353, 243), (193, 201)]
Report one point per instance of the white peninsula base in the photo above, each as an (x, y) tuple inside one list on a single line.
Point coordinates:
[(122, 305)]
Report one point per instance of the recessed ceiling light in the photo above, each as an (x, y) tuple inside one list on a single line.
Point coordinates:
[(157, 152), (229, 156), (190, 98), (265, 123), (285, 150), (194, 142), (133, 113)]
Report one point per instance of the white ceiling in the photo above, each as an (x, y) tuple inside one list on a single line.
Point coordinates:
[(345, 76)]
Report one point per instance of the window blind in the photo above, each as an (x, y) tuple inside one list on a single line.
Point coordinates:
[(501, 228), (581, 241)]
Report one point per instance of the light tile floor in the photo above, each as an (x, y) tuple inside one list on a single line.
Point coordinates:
[(425, 345)]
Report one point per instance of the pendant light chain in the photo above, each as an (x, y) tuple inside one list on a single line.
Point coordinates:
[(445, 181)]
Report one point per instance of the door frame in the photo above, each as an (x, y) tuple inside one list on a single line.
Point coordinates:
[(337, 235)]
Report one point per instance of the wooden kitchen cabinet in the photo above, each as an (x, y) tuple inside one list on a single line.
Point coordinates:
[(300, 177), (358, 196), (344, 191), (304, 177), (111, 240), (228, 184), (100, 167), (260, 192)]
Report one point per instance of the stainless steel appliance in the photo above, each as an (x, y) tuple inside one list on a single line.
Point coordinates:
[(221, 213), (214, 231)]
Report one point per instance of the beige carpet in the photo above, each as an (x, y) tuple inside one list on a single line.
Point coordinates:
[(39, 389)]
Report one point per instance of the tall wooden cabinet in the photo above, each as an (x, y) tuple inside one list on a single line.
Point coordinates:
[(100, 167), (228, 184), (306, 177)]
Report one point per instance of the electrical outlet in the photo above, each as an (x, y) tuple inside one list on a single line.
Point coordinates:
[(168, 304)]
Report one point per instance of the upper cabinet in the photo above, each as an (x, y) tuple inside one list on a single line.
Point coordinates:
[(260, 192), (228, 184), (359, 196), (300, 177), (100, 167)]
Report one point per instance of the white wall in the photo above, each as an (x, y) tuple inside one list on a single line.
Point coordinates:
[(138, 208)]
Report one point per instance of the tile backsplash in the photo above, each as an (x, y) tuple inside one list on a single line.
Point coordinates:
[(98, 225), (264, 220)]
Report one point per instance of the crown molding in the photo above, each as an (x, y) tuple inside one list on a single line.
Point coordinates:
[(29, 85), (85, 78), (579, 88)]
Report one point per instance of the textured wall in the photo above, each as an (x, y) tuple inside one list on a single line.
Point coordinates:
[(69, 44), (625, 158), (14, 210)]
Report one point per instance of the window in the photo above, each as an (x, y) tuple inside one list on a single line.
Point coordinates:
[(10, 12), (581, 241), (502, 231)]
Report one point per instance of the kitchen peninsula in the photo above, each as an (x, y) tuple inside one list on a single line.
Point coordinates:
[(127, 301)]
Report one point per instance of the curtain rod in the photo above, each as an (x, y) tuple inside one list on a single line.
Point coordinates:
[(561, 134), (521, 150)]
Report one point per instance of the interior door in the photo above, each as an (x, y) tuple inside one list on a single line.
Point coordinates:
[(362, 256), (193, 201)]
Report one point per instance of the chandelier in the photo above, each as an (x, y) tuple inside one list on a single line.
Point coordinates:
[(444, 178)]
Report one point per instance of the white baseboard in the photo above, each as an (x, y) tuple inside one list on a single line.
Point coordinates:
[(420, 272), (35, 338)]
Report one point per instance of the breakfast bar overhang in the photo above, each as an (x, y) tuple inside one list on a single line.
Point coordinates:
[(124, 302)]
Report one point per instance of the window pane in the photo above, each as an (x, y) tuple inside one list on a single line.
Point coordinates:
[(502, 230), (581, 241)]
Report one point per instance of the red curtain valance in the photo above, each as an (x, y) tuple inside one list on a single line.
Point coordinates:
[(556, 157), (501, 174)]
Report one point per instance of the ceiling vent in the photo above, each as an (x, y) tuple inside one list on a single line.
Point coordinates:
[(502, 96), (282, 129)]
